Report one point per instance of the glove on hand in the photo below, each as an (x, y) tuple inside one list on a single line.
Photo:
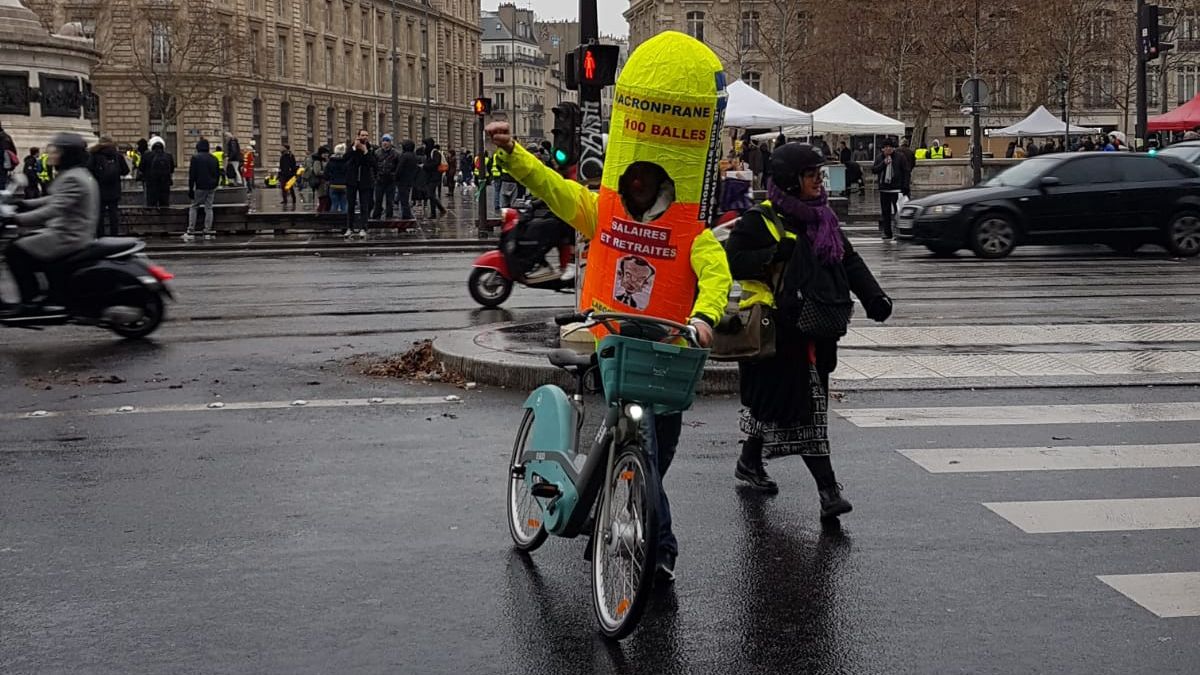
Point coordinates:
[(879, 309)]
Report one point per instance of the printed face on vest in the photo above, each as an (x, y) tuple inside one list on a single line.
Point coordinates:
[(635, 282)]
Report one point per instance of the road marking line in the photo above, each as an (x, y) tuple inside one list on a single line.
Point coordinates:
[(234, 405), (971, 460), (981, 416), (1100, 515), (1168, 595)]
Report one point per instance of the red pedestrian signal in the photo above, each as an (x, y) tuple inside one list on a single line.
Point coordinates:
[(592, 66), (589, 66)]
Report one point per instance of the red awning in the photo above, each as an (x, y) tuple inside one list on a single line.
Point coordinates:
[(1184, 118)]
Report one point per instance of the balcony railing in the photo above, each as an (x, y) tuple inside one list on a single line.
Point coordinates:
[(507, 60)]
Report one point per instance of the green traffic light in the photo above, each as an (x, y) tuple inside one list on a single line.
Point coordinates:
[(560, 156), (1153, 151)]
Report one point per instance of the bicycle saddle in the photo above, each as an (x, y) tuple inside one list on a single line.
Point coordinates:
[(565, 358)]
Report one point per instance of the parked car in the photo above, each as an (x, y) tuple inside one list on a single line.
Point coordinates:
[(1124, 200)]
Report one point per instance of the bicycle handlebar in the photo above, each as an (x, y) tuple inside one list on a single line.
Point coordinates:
[(590, 318)]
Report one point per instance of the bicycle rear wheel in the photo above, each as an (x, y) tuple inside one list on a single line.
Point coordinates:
[(524, 512), (625, 544)]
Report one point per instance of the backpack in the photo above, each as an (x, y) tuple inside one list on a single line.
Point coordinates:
[(106, 170), (313, 172), (160, 165)]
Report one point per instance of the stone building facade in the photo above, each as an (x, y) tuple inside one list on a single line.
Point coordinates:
[(298, 72)]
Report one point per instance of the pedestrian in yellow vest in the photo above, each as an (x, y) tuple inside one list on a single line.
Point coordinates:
[(219, 155), (936, 151)]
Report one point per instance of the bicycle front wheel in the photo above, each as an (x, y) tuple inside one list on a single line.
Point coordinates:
[(625, 544), (524, 512)]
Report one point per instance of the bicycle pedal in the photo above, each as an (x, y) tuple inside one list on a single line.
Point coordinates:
[(545, 491)]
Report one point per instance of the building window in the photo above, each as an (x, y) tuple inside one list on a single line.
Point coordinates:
[(285, 122), (328, 65), (366, 25), (366, 122), (412, 127), (1185, 84), (309, 57), (1153, 86), (256, 125), (162, 121), (255, 49), (227, 113), (749, 29), (349, 125), (329, 115), (695, 25), (281, 56), (383, 125), (348, 57), (310, 128), (500, 101), (306, 11), (328, 16), (160, 44), (753, 79), (500, 75), (1098, 89), (281, 8), (380, 71), (366, 71)]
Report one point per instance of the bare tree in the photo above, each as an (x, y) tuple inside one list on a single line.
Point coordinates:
[(178, 54)]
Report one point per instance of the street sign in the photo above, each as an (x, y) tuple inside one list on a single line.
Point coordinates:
[(975, 92)]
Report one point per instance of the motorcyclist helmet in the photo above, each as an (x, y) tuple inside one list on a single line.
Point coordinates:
[(789, 163), (72, 150)]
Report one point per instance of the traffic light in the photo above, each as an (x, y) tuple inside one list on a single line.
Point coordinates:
[(567, 121), (592, 66), (482, 107), (1154, 28)]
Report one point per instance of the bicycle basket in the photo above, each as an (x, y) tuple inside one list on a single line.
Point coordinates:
[(650, 373)]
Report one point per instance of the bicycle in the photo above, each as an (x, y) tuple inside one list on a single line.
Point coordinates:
[(552, 487)]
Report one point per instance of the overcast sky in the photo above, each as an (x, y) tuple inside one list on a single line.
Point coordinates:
[(611, 21)]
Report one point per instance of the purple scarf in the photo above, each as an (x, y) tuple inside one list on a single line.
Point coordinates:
[(819, 221)]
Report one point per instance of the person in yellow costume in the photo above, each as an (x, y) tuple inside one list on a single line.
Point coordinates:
[(651, 252)]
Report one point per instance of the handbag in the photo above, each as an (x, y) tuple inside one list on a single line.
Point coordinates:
[(748, 333), (822, 305), (745, 335)]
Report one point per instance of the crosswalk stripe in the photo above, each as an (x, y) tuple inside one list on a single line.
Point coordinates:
[(1168, 595), (1093, 413), (970, 460), (1100, 515)]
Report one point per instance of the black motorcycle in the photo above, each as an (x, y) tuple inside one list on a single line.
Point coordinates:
[(110, 284)]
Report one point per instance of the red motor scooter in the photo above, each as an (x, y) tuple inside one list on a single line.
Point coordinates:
[(495, 272)]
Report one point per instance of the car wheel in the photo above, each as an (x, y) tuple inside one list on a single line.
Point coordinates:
[(1183, 234), (993, 236), (942, 250)]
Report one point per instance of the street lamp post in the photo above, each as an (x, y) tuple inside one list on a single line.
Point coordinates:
[(395, 70), (425, 67)]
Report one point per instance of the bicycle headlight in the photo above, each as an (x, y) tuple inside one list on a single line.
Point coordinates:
[(634, 412)]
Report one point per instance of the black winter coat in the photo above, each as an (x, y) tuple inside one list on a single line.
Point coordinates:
[(337, 169), (361, 167), (203, 173), (408, 170), (287, 167), (387, 162), (901, 174), (109, 167), (779, 389)]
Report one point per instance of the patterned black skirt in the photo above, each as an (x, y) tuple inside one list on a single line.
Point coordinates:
[(799, 437)]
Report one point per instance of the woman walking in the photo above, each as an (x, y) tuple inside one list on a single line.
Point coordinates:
[(794, 244)]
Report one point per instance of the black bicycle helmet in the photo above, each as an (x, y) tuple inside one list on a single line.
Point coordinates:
[(790, 161)]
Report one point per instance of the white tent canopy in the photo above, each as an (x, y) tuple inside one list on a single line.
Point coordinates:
[(845, 115), (1040, 123), (749, 108)]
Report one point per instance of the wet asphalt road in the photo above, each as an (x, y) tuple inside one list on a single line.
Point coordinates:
[(371, 539)]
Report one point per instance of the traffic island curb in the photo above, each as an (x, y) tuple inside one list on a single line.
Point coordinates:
[(487, 355)]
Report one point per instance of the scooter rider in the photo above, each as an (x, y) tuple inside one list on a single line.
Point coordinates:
[(649, 213), (68, 215)]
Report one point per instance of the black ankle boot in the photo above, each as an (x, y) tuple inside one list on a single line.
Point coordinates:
[(833, 504), (750, 467)]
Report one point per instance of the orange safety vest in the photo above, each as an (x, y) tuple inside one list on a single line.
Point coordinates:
[(668, 110)]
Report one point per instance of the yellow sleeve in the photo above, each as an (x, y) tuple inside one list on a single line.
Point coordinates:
[(569, 200), (715, 282)]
